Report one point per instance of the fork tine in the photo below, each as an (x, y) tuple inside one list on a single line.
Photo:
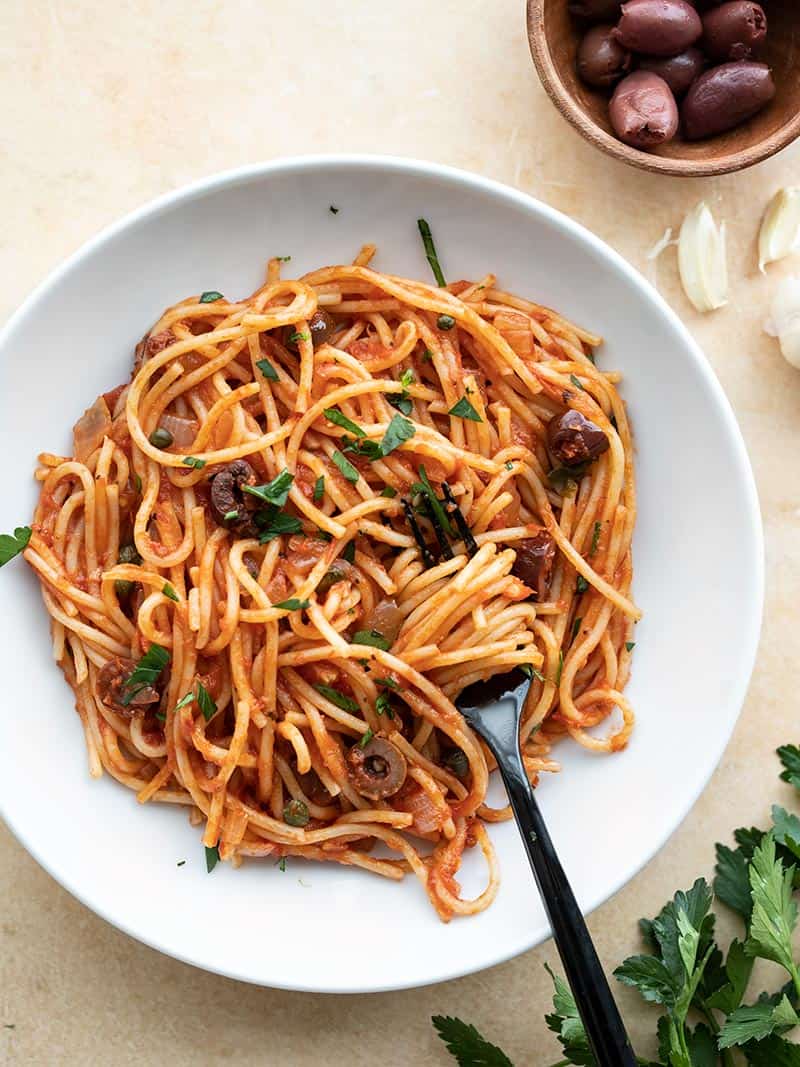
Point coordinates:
[(454, 511), (441, 536), (427, 557)]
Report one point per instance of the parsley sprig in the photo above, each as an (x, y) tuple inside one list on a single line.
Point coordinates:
[(708, 1017)]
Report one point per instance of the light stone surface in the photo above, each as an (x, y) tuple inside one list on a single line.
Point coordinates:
[(107, 105)]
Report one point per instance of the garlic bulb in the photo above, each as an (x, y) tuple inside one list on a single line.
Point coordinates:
[(702, 260), (780, 230), (784, 320)]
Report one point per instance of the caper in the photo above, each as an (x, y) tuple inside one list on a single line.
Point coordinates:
[(296, 813), (123, 588), (128, 554), (160, 438), (457, 762), (445, 322)]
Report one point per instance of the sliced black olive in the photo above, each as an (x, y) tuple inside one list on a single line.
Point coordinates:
[(534, 563), (574, 439), (320, 327), (231, 506), (378, 770)]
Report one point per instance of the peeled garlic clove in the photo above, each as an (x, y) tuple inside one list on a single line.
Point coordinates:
[(702, 260), (780, 230), (784, 319)]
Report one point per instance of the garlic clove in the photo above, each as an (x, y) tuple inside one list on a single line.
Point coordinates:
[(702, 260), (784, 319), (780, 229)]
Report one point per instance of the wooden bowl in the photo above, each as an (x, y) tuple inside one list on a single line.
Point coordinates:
[(554, 36)]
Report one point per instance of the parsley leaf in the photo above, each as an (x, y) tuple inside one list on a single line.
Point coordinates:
[(206, 702), (389, 491), (267, 370), (598, 527), (731, 883), (773, 1052), (424, 486), (774, 911), (339, 699), (630, 646), (790, 758), (192, 461), (276, 492), (349, 552), (467, 1046), (333, 209), (566, 1024), (345, 466), (401, 402), (339, 419), (279, 523), (184, 701), (146, 672), (319, 488), (576, 382), (430, 252), (581, 585), (371, 637), (738, 967), (463, 409), (366, 738), (398, 431), (754, 1022), (383, 705), (212, 858), (12, 544), (650, 977), (293, 604), (210, 297), (786, 829), (169, 592)]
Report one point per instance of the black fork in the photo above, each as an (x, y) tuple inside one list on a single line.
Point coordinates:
[(493, 709)]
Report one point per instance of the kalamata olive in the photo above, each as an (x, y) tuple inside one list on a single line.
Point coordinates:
[(378, 769), (725, 96), (320, 327), (112, 688), (230, 504), (658, 27), (534, 562), (573, 439), (734, 31), (602, 61), (595, 10), (677, 71), (643, 111)]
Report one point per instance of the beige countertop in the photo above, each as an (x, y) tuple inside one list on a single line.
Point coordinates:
[(108, 105)]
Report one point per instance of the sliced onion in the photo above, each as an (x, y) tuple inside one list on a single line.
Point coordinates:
[(516, 329), (90, 429), (386, 618), (183, 430)]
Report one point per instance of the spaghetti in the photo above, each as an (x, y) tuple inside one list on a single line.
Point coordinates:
[(307, 523)]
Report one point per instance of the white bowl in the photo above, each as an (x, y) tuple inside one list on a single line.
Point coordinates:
[(698, 562)]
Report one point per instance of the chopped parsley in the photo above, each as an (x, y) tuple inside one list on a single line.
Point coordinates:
[(390, 683), (389, 491), (206, 702), (210, 297), (345, 466), (383, 705), (338, 418), (339, 699), (398, 431), (319, 488), (229, 516), (560, 665), (365, 740), (576, 627), (630, 646), (371, 637), (427, 356), (509, 465), (267, 370), (212, 858), (293, 604), (530, 671), (349, 552), (598, 527), (424, 486), (12, 544), (192, 461), (277, 492), (283, 259), (581, 585), (184, 701), (430, 251), (169, 591), (282, 864), (565, 479), (463, 409), (296, 336), (278, 523), (180, 863), (576, 382), (400, 401), (145, 673)]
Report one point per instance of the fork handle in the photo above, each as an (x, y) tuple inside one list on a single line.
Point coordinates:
[(598, 1010)]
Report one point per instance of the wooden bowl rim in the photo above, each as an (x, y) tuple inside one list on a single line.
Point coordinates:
[(564, 101)]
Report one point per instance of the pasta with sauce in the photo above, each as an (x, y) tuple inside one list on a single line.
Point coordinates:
[(311, 518)]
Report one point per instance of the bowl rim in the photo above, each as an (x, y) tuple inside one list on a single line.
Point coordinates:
[(752, 613), (597, 136)]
